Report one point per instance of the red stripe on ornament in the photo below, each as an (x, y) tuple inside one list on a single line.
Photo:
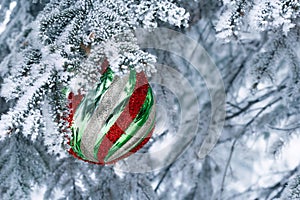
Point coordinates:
[(127, 116), (74, 101), (104, 66)]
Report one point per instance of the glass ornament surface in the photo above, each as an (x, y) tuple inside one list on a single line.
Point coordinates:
[(113, 120)]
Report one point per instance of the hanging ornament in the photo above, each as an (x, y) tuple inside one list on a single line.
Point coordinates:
[(113, 120)]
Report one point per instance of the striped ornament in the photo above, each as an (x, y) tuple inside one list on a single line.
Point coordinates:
[(113, 120)]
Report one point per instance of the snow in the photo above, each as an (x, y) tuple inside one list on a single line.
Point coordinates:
[(38, 192), (7, 16)]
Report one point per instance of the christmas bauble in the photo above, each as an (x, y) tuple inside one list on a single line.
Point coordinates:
[(114, 119)]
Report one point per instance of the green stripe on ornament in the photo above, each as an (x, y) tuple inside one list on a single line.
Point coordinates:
[(75, 142), (117, 111), (105, 81), (137, 123), (86, 109), (66, 91)]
